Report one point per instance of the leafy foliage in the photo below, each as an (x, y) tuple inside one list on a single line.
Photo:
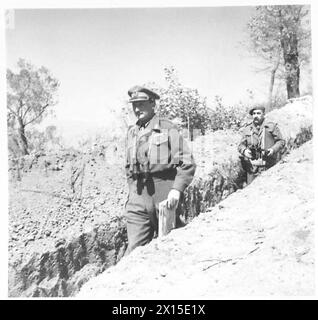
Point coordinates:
[(43, 140), (185, 105), (272, 24), (280, 36), (188, 109), (30, 93), (37, 141), (227, 117)]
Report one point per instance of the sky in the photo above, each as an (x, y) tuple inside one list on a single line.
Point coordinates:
[(98, 54)]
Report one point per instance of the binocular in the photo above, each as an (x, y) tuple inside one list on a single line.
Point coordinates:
[(140, 171), (259, 153)]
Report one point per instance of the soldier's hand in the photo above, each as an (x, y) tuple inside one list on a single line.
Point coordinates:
[(173, 198), (270, 152), (248, 153)]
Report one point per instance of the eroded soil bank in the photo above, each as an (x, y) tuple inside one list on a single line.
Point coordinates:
[(258, 241), (65, 212)]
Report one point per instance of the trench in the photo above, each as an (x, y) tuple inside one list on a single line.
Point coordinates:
[(205, 192), (62, 272)]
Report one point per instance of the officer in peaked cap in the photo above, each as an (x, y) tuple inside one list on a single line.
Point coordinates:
[(138, 93), (261, 144), (159, 166)]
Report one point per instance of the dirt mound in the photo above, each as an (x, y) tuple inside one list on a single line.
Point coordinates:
[(259, 241)]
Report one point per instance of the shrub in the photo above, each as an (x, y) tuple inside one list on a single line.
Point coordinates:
[(227, 117)]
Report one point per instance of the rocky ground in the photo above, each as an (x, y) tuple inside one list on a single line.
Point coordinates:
[(45, 211), (257, 242)]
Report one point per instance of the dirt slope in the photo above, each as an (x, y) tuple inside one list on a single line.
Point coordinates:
[(258, 241), (59, 228)]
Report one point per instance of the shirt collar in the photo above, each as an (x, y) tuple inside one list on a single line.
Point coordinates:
[(150, 124), (153, 123), (143, 125)]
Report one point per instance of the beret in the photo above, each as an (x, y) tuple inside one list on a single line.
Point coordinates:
[(256, 108), (138, 93)]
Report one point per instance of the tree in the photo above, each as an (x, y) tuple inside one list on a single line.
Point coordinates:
[(227, 116), (43, 140), (30, 94), (178, 102), (280, 36)]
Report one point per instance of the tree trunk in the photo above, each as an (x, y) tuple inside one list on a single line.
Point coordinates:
[(272, 81), (271, 86), (22, 137), (292, 71)]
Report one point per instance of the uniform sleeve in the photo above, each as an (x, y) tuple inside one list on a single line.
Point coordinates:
[(183, 158), (242, 145), (278, 139), (127, 160)]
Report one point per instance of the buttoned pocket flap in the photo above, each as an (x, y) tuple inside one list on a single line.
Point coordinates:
[(160, 138)]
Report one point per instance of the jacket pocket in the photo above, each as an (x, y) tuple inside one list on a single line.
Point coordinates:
[(251, 140), (159, 148)]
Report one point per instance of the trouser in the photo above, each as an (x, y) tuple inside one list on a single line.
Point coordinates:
[(142, 209), (251, 176), (253, 172)]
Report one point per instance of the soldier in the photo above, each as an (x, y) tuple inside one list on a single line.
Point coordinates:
[(159, 166), (261, 144)]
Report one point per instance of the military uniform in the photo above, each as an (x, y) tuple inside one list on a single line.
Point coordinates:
[(157, 160), (262, 137)]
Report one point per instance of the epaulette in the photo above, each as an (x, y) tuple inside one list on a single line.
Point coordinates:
[(245, 126), (166, 123)]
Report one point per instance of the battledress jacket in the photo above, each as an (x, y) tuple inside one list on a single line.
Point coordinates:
[(167, 155), (252, 136)]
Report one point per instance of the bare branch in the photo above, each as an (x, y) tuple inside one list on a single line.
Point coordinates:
[(258, 70), (28, 87), (21, 105), (26, 111), (13, 111), (39, 115)]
